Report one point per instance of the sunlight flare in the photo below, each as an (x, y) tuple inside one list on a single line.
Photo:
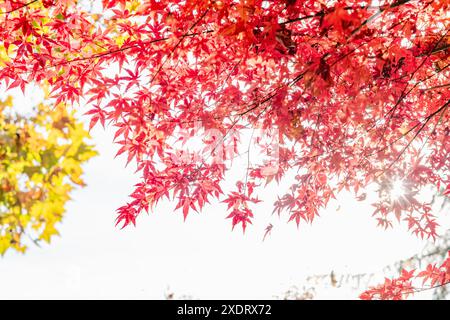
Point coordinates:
[(398, 189)]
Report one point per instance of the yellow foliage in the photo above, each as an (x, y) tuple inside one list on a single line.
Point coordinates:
[(40, 163)]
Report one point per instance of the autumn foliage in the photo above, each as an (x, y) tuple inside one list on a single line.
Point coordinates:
[(410, 282), (40, 163), (356, 94)]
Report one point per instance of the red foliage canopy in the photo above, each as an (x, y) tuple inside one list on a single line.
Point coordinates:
[(355, 94)]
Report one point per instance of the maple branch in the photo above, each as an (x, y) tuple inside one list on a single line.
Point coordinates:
[(427, 119), (255, 106), (176, 46), (322, 12), (315, 128), (434, 129), (347, 54), (380, 11), (412, 290), (437, 87), (430, 287), (258, 104), (365, 157), (125, 48), (318, 14), (403, 95), (248, 162), (441, 49), (418, 82), (410, 130), (272, 95), (19, 7), (214, 117), (390, 144)]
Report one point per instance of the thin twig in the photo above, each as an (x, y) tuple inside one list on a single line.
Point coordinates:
[(20, 7)]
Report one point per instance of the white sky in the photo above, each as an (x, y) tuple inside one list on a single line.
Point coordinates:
[(200, 258)]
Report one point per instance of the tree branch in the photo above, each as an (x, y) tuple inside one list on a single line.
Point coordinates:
[(427, 119), (19, 7)]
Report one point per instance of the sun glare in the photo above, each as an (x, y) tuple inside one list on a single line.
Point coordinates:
[(397, 190)]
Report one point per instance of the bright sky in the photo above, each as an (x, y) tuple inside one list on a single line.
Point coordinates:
[(201, 257)]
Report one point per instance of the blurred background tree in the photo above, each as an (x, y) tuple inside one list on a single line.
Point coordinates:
[(41, 157)]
